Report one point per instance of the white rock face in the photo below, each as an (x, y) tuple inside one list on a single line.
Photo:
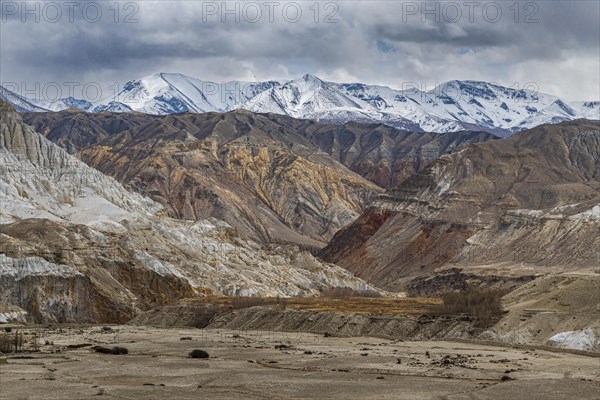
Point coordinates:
[(21, 268), (587, 339), (41, 180), (13, 317)]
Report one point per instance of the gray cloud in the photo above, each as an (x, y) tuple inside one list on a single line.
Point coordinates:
[(375, 42)]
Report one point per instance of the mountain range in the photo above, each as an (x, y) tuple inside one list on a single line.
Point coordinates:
[(108, 213), (449, 107)]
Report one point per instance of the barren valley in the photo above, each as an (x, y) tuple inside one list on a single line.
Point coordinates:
[(285, 365)]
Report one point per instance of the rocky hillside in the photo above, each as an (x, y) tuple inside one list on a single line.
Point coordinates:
[(270, 176), (267, 181), (559, 310), (74, 130), (77, 247), (382, 154), (520, 206)]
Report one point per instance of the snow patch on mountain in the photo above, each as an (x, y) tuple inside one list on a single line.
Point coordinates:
[(591, 214)]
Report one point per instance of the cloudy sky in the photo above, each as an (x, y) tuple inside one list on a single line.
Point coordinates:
[(551, 45)]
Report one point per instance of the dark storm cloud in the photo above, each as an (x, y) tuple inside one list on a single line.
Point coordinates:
[(572, 23), (375, 42)]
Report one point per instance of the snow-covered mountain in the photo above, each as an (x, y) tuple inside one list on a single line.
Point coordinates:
[(63, 104), (449, 107), (175, 93), (24, 104), (452, 106), (19, 103)]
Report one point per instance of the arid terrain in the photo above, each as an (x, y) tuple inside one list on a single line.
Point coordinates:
[(300, 200), (504, 209), (280, 365), (272, 177)]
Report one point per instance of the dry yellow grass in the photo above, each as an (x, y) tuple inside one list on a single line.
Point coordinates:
[(356, 305)]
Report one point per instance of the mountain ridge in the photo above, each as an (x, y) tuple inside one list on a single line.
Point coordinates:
[(448, 107)]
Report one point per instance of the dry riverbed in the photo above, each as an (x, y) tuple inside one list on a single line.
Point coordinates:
[(278, 365)]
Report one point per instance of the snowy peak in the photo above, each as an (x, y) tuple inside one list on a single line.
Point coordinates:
[(170, 93), (19, 103), (587, 109), (151, 94), (306, 97), (312, 79), (64, 104), (22, 104), (482, 90), (113, 106), (452, 106)]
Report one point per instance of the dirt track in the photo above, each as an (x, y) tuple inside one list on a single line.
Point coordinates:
[(247, 365)]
